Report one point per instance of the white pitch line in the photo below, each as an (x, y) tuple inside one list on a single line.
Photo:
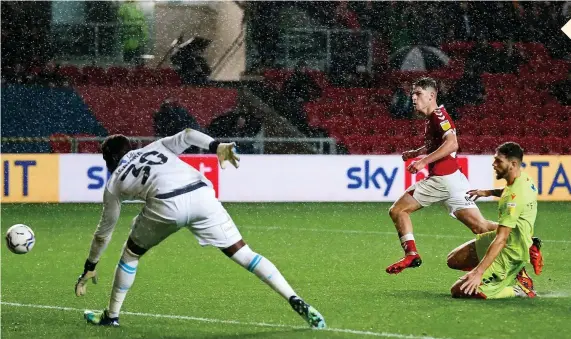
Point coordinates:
[(233, 322), (333, 230)]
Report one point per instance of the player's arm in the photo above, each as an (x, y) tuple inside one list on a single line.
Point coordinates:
[(413, 153), (449, 146), (495, 192), (473, 279), (190, 137), (101, 238), (507, 221), (495, 248)]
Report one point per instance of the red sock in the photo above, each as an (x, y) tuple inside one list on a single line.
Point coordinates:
[(409, 246)]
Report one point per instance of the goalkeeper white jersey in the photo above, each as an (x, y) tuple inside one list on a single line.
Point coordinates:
[(154, 171), (155, 175)]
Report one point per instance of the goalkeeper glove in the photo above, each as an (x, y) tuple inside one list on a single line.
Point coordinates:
[(225, 152), (88, 273)]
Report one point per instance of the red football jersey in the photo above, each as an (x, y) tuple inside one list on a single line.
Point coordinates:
[(438, 126)]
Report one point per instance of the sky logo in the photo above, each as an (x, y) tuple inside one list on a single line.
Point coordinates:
[(367, 177)]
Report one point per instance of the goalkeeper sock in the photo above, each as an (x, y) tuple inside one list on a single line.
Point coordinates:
[(408, 244), (124, 278), (264, 269)]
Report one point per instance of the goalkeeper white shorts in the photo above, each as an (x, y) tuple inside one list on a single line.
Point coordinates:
[(449, 189), (199, 211)]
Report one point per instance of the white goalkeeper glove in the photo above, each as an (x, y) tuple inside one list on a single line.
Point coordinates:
[(227, 152), (88, 273)]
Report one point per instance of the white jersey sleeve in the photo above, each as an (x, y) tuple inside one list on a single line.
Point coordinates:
[(185, 139), (107, 222)]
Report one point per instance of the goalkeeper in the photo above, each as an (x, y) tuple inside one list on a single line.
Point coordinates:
[(176, 196)]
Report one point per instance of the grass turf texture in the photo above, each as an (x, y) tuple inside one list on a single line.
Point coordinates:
[(334, 256)]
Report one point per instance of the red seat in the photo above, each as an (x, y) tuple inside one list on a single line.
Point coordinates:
[(276, 77), (488, 144), (87, 146), (142, 76), (554, 145), (466, 127), (402, 128), (94, 75), (169, 77), (469, 145), (491, 127), (118, 75), (495, 81), (534, 50), (532, 145), (419, 127), (511, 127), (373, 112), (561, 129), (72, 73), (60, 143), (356, 144), (457, 48)]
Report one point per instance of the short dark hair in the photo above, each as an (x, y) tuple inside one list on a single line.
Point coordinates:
[(425, 83), (511, 150), (114, 147)]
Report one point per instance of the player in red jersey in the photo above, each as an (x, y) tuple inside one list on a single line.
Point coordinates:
[(445, 183)]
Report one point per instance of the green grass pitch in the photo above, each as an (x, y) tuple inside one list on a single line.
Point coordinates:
[(333, 254)]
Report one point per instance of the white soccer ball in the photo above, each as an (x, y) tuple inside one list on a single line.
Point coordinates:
[(20, 239)]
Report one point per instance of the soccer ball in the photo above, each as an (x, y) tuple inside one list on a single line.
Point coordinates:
[(20, 239)]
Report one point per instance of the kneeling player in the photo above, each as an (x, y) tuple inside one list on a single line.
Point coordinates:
[(496, 260), (176, 196)]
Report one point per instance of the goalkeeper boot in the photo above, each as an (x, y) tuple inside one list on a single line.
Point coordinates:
[(100, 318), (410, 260), (307, 312), (535, 256), (524, 286)]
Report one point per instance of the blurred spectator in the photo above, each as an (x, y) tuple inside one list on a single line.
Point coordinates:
[(562, 91), (509, 59), (16, 74), (400, 35), (346, 16), (134, 31), (264, 30), (297, 90), (49, 76), (558, 46), (172, 118), (236, 124), (462, 25), (190, 61), (468, 90), (300, 86), (444, 98), (401, 104), (480, 58)]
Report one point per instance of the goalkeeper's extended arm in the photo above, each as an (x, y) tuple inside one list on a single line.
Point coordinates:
[(190, 137), (101, 238)]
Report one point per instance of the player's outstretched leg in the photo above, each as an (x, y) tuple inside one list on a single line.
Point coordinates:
[(536, 258), (400, 214), (475, 221), (268, 273), (124, 278), (463, 257)]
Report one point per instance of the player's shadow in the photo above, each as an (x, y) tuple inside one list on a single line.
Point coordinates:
[(413, 294), (278, 333)]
